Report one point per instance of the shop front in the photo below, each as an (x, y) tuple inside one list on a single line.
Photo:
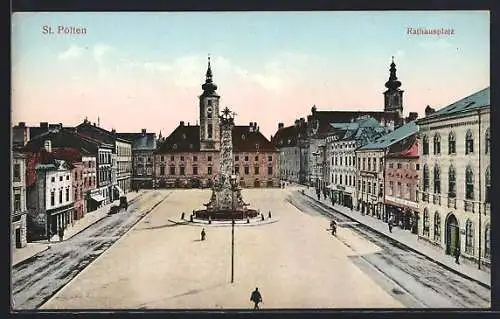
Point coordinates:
[(403, 212)]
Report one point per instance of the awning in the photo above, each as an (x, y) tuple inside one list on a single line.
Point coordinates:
[(120, 191), (98, 198)]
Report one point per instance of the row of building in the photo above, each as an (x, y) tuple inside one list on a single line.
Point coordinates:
[(430, 176), (60, 173)]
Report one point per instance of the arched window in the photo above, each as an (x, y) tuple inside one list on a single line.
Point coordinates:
[(452, 144), (437, 144), (426, 178), (425, 145), (426, 223), (437, 227), (437, 180), (469, 237), (487, 242), (487, 182), (452, 186), (469, 142), (487, 142), (469, 183)]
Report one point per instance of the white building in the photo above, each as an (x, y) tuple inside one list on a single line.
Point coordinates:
[(456, 178), (18, 201), (50, 202), (285, 140)]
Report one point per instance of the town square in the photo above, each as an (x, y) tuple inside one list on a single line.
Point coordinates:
[(192, 174)]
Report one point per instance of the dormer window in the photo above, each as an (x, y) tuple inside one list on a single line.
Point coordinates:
[(184, 136), (174, 146), (243, 136)]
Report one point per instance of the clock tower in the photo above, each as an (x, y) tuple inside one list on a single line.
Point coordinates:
[(209, 114), (393, 97)]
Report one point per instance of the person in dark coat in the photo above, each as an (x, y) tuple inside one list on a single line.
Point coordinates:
[(203, 234), (61, 234), (256, 298), (457, 255)]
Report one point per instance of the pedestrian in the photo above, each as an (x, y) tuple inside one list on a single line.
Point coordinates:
[(50, 234), (203, 234), (256, 298), (390, 225), (61, 234), (457, 255), (182, 216), (262, 216), (269, 215)]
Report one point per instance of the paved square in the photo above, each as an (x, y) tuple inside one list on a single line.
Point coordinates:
[(294, 262)]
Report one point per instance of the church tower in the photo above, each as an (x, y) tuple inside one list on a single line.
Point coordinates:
[(393, 97), (209, 114)]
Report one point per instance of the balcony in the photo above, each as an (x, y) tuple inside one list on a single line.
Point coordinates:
[(469, 206), (452, 203), (436, 199)]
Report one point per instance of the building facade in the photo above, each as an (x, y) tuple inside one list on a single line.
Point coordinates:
[(189, 156), (286, 141), (89, 171), (401, 186), (143, 164), (18, 201), (456, 178), (50, 203)]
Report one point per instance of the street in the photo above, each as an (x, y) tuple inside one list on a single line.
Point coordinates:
[(36, 279), (414, 279)]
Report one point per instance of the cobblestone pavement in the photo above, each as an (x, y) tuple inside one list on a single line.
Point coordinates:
[(36, 279)]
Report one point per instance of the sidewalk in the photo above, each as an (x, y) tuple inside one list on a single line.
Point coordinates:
[(408, 239), (90, 218)]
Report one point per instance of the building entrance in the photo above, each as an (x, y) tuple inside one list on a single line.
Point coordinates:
[(452, 234)]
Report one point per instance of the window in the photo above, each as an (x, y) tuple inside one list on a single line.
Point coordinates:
[(52, 197), (487, 242), (391, 188), (76, 175), (256, 170), (381, 168), (209, 130), (209, 170), (363, 187), (425, 145), (369, 190), (17, 172), (209, 158), (487, 142), (487, 182), (364, 162), (246, 158), (426, 178), (247, 170), (340, 176), (340, 158), (469, 142), (381, 190), (469, 237), (437, 180), (350, 180), (374, 164), (172, 158), (270, 158), (369, 163), (469, 185), (452, 189), (426, 223), (335, 178), (17, 202), (437, 227), (52, 179), (162, 158), (437, 144), (236, 158), (60, 178), (181, 169), (400, 187), (67, 194), (336, 160), (269, 170), (182, 158), (400, 165), (76, 195), (60, 195), (236, 169), (417, 167), (172, 170), (256, 158)]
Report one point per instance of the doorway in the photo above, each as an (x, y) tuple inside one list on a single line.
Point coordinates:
[(18, 238), (452, 235)]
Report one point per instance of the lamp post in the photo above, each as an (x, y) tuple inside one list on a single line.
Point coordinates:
[(232, 250)]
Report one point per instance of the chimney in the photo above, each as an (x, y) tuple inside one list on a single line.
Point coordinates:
[(302, 120), (113, 131), (22, 124), (297, 121), (412, 117), (48, 145), (143, 131), (181, 123), (188, 123), (250, 124), (280, 126), (93, 123), (44, 125)]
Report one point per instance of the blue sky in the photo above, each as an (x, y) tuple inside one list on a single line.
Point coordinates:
[(287, 60)]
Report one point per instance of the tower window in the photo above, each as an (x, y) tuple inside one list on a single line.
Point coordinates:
[(209, 130)]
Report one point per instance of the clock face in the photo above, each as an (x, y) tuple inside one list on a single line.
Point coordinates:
[(209, 112)]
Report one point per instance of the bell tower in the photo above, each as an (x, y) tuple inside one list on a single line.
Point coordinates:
[(209, 114), (393, 97)]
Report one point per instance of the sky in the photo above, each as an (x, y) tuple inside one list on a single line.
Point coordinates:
[(145, 70)]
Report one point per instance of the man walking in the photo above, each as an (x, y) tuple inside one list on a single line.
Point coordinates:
[(61, 234), (256, 298), (203, 234), (457, 255)]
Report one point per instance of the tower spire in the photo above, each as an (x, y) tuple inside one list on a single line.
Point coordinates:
[(209, 87), (393, 82)]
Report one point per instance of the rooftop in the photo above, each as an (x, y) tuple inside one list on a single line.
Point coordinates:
[(395, 136)]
